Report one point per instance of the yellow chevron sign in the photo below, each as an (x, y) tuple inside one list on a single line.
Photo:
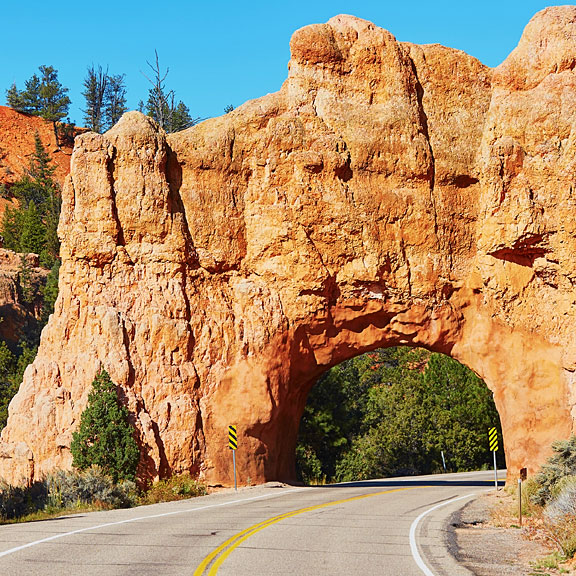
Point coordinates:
[(232, 438), (493, 439)]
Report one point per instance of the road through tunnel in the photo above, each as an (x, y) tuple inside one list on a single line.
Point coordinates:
[(396, 412)]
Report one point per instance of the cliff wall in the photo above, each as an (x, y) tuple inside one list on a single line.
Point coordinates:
[(388, 194)]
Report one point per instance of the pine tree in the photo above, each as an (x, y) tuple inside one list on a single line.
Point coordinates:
[(50, 291), (12, 228), (14, 98), (43, 96), (157, 104), (25, 281), (161, 104), (33, 231), (37, 185), (53, 99), (180, 118), (12, 369), (51, 251), (7, 388), (105, 437), (41, 168), (32, 227), (31, 96), (105, 99), (95, 89), (115, 100)]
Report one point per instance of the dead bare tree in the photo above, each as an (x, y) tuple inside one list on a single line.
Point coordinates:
[(160, 102), (95, 86), (171, 115)]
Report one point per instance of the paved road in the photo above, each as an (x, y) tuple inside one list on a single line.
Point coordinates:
[(392, 527)]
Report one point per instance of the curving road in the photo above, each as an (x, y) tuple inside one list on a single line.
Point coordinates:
[(392, 527)]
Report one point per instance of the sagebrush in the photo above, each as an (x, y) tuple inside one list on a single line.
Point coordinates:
[(69, 489), (559, 466), (553, 492)]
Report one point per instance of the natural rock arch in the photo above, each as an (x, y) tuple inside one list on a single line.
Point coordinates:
[(388, 194)]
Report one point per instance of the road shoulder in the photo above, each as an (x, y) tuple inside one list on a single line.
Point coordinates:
[(486, 549)]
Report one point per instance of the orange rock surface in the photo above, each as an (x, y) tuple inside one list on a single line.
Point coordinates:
[(17, 132), (388, 194)]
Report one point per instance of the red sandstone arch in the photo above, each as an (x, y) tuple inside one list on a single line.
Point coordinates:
[(509, 362), (387, 194)]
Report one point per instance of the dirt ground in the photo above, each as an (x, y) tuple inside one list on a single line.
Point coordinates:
[(486, 539)]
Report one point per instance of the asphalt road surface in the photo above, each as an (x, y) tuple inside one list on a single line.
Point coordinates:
[(392, 527)]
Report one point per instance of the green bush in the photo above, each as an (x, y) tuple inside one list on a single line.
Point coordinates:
[(308, 464), (105, 437), (17, 501), (529, 488)]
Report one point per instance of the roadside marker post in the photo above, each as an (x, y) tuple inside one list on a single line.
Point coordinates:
[(521, 477), (443, 460), (520, 501), (493, 441), (233, 445)]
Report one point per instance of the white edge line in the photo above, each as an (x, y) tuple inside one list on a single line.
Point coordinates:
[(414, 547), (139, 518)]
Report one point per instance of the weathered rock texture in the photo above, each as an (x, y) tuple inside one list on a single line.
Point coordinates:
[(388, 194), (19, 312)]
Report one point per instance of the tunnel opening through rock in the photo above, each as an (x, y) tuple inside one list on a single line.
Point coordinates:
[(396, 411)]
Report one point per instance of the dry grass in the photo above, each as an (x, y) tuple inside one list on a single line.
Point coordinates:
[(178, 487), (535, 526)]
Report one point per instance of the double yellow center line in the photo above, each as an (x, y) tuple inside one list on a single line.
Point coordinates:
[(210, 565)]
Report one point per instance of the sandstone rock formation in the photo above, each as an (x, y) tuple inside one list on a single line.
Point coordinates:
[(388, 194), (16, 313)]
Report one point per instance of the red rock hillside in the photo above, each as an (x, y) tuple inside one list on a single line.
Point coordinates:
[(388, 194), (17, 135), (17, 132)]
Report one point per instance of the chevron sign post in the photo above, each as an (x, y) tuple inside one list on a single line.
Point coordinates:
[(233, 445), (493, 442)]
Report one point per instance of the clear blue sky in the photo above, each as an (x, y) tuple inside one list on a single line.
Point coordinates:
[(223, 53)]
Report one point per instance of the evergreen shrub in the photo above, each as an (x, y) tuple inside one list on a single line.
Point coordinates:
[(105, 437)]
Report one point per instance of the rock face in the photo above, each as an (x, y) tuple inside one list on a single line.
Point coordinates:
[(388, 194), (17, 312)]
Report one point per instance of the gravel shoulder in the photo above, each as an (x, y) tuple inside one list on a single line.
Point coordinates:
[(484, 537)]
